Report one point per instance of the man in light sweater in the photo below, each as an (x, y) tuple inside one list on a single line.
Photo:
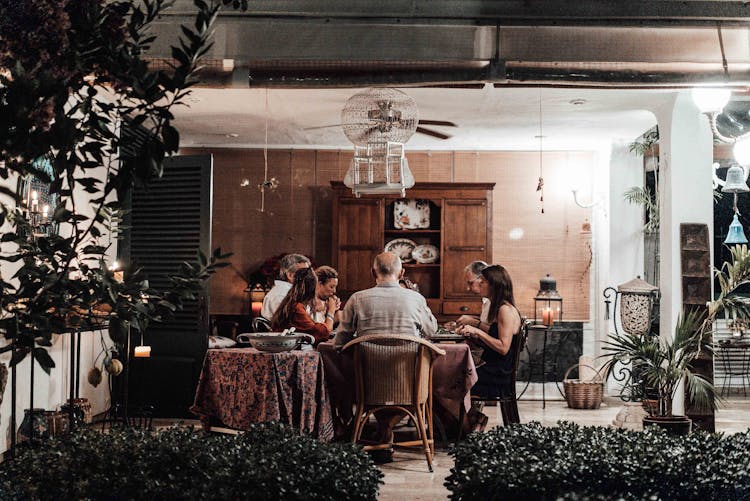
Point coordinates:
[(289, 265), (386, 308)]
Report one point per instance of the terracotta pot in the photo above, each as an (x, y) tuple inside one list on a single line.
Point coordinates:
[(674, 425)]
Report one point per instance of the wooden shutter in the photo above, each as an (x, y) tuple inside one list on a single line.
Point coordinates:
[(169, 222)]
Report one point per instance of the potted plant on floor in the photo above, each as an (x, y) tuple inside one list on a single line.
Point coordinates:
[(663, 364)]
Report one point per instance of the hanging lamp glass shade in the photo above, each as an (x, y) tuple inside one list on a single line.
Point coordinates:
[(735, 182), (735, 235), (710, 99)]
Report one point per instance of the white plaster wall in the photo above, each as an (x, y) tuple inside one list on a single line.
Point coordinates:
[(53, 390), (686, 154)]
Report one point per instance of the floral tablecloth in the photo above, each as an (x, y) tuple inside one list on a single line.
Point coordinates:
[(453, 375), (240, 386)]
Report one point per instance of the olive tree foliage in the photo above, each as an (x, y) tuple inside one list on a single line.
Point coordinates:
[(71, 73)]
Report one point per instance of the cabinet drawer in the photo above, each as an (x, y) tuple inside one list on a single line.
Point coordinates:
[(462, 307), (434, 305)]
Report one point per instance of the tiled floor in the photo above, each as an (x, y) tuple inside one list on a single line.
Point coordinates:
[(407, 477)]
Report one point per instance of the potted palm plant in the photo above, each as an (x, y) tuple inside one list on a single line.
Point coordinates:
[(660, 365)]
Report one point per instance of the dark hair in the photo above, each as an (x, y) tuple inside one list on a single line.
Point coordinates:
[(325, 273), (500, 287), (302, 291)]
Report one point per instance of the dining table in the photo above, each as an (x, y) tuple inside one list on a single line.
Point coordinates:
[(453, 375), (241, 386)]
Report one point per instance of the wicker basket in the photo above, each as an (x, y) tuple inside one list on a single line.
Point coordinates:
[(583, 394)]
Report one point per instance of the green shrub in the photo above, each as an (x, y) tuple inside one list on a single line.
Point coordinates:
[(573, 462), (268, 462)]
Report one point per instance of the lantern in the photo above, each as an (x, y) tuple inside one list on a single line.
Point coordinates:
[(547, 303), (637, 299)]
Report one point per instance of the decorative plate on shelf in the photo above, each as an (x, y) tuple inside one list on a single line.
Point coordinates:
[(425, 254), (411, 214), (402, 247)]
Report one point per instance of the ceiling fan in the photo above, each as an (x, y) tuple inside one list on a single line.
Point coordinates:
[(383, 114)]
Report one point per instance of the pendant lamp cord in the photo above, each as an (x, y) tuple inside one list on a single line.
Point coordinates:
[(540, 185), (265, 158), (723, 53)]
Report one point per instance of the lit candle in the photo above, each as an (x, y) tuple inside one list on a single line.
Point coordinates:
[(118, 274), (34, 200), (547, 317), (142, 351), (45, 213), (256, 307)]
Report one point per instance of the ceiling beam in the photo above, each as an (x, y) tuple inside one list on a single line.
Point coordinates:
[(507, 12)]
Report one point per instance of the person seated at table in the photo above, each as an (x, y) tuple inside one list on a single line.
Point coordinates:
[(328, 281), (473, 275), (386, 308), (500, 342), (294, 309), (289, 264)]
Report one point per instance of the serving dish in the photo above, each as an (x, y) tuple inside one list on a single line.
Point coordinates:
[(403, 248), (411, 214), (275, 342), (425, 254)]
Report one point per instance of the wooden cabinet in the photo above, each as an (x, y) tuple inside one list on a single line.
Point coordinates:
[(460, 222)]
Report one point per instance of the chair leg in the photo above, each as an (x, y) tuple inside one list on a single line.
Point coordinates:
[(358, 423), (504, 411), (430, 429), (515, 418), (423, 435)]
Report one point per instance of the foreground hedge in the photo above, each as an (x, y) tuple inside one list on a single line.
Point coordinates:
[(269, 462), (574, 462)]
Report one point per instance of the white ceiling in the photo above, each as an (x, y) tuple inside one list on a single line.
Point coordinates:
[(488, 118)]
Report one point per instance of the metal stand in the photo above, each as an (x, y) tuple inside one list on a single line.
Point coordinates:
[(546, 330)]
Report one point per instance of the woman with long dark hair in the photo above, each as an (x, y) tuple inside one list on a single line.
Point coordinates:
[(501, 341), (294, 310)]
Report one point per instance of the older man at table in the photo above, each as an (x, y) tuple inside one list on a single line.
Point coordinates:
[(386, 308), (289, 265)]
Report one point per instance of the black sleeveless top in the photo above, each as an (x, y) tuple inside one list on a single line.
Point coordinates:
[(503, 363)]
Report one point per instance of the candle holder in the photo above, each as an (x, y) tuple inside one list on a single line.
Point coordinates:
[(548, 304)]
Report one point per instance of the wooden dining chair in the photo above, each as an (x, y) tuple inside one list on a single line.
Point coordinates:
[(508, 404), (394, 371), (260, 324)]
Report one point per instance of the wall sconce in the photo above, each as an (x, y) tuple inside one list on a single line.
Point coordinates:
[(581, 204)]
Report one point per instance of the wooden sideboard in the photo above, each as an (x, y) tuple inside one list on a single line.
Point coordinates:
[(460, 228)]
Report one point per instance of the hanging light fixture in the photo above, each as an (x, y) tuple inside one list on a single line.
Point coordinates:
[(267, 184), (378, 122), (540, 184), (735, 235)]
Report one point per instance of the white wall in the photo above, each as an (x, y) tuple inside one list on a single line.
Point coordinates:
[(53, 390)]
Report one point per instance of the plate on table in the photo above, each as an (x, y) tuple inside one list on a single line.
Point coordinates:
[(425, 254), (403, 248)]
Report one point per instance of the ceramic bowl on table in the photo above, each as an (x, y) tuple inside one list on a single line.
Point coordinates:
[(275, 342)]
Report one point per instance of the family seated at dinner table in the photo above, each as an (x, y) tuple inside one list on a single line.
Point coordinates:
[(392, 307)]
